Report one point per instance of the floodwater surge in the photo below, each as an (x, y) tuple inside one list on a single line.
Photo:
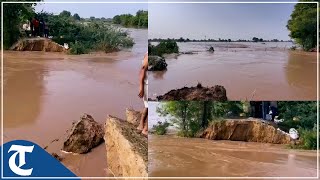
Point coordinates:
[(258, 72), (45, 92), (175, 156)]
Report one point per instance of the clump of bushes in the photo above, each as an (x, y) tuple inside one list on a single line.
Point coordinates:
[(78, 48), (297, 114), (164, 47), (308, 139), (111, 39), (303, 117), (84, 36), (161, 128)]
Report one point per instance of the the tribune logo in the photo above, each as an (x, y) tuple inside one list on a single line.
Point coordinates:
[(26, 159), (21, 151)]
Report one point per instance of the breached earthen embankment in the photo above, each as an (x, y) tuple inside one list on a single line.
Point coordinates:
[(250, 130), (198, 93), (37, 44), (127, 150)]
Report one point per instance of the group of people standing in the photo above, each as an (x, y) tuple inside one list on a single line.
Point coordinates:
[(37, 27)]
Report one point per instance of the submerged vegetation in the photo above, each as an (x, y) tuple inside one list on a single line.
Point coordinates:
[(164, 47), (161, 128), (82, 35)]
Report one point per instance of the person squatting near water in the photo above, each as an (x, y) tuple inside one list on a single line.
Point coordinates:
[(143, 93)]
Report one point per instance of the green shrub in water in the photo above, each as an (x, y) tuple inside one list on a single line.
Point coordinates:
[(161, 128), (78, 48), (164, 47), (308, 139)]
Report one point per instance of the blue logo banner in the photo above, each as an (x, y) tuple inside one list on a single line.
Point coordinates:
[(27, 159)]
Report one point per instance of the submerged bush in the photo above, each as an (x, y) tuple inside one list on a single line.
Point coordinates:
[(164, 47), (78, 48), (112, 39), (161, 128), (308, 138)]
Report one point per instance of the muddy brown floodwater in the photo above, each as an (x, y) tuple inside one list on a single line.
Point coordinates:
[(173, 156), (254, 72), (45, 92)]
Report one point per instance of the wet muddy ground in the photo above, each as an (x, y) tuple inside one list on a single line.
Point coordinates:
[(175, 156), (45, 92)]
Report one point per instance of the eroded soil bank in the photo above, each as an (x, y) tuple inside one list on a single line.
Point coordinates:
[(174, 156), (249, 130), (127, 150)]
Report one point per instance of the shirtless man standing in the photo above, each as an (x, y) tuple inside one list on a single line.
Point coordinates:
[(143, 93)]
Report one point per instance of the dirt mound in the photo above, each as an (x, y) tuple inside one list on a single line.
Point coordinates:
[(127, 150), (215, 93), (252, 130), (85, 135), (37, 44)]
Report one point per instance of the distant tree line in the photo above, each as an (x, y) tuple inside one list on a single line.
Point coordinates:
[(181, 39), (140, 20)]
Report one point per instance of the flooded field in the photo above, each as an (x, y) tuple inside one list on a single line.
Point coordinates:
[(45, 92), (174, 156), (252, 71)]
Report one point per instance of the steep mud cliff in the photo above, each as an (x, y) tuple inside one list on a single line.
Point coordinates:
[(127, 150), (251, 130), (37, 44)]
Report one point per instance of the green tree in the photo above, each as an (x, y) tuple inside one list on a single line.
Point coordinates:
[(76, 17), (13, 16), (303, 24), (297, 114), (192, 116), (255, 39), (65, 13)]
